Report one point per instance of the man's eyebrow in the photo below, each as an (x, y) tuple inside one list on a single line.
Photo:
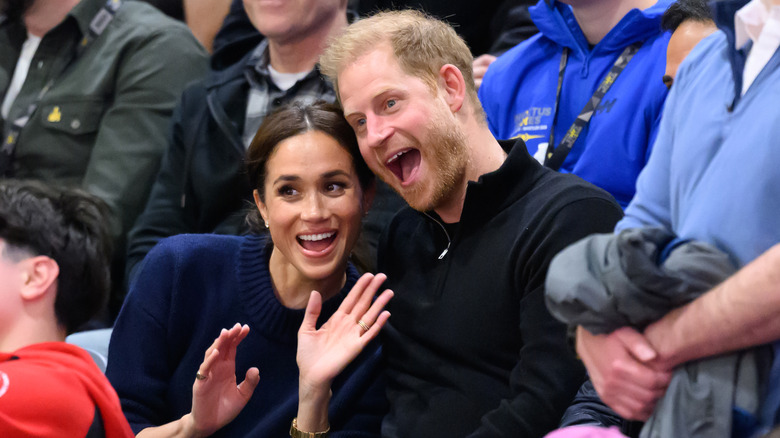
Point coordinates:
[(347, 115)]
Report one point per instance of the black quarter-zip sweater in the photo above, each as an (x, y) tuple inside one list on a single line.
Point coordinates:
[(471, 348)]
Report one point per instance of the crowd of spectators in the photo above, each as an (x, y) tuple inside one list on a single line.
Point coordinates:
[(574, 215)]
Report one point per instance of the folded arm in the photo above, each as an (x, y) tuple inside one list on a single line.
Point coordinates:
[(739, 313), (631, 370)]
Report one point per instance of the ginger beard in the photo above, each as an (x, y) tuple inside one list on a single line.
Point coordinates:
[(444, 150)]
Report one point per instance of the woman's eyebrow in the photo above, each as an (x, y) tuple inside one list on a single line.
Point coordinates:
[(333, 173), (287, 178)]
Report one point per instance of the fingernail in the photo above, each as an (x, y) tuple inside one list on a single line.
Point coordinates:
[(645, 353)]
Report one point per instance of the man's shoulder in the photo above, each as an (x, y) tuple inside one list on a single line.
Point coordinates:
[(229, 83), (533, 47), (530, 55), (540, 192), (543, 193), (554, 191), (142, 34), (537, 183), (550, 194)]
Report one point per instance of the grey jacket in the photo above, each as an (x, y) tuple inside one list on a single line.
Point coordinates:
[(608, 281), (102, 125)]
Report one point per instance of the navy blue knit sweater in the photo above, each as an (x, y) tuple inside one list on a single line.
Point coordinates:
[(188, 289)]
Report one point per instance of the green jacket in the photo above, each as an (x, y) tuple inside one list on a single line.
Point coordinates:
[(104, 123)]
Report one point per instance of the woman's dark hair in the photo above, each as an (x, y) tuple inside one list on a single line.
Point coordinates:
[(289, 121)]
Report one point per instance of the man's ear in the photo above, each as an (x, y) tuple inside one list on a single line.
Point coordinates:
[(260, 205), (454, 86), (40, 276)]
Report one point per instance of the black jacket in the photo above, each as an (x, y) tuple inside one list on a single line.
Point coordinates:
[(205, 139), (471, 348)]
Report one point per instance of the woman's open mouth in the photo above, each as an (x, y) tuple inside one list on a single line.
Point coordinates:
[(316, 242)]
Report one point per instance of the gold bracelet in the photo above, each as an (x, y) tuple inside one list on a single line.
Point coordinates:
[(296, 433)]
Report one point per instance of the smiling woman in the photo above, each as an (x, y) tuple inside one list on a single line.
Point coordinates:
[(312, 207), (313, 210), (311, 189)]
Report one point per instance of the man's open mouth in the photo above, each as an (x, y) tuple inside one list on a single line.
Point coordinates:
[(404, 163)]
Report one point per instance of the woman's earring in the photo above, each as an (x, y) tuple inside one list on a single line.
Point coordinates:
[(266, 225)]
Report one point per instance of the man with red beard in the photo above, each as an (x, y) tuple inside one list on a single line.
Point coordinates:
[(471, 349)]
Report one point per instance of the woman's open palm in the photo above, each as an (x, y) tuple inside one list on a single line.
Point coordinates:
[(324, 353), (216, 398)]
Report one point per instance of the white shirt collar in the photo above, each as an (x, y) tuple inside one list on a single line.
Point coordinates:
[(758, 22), (750, 19)]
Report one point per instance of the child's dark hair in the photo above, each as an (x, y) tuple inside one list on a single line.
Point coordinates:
[(71, 227)]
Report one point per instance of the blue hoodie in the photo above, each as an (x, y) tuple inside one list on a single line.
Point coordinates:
[(518, 93)]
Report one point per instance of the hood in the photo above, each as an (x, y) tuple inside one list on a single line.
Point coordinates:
[(556, 21), (83, 368)]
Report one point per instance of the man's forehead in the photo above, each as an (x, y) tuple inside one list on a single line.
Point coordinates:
[(373, 74), (366, 61), (368, 75)]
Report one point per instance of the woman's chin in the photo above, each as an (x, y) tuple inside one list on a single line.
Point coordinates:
[(320, 268)]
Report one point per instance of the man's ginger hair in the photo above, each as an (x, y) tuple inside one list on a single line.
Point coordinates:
[(420, 43)]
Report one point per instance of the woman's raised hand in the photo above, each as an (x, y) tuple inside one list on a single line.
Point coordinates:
[(324, 353), (216, 398)]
